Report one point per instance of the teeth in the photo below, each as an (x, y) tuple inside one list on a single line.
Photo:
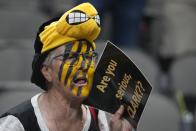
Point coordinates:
[(83, 84), (80, 82)]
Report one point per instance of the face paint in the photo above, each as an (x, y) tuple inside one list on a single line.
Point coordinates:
[(77, 69)]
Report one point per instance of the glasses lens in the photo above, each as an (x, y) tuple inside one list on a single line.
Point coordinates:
[(71, 58)]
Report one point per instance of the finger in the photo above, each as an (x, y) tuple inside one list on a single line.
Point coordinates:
[(126, 126), (119, 112)]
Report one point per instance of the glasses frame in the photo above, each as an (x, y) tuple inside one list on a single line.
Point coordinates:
[(65, 56)]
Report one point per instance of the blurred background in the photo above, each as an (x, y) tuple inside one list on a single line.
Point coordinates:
[(158, 35)]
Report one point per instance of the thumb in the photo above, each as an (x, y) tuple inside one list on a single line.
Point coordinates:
[(118, 114)]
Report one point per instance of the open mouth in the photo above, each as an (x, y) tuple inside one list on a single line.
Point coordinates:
[(82, 81)]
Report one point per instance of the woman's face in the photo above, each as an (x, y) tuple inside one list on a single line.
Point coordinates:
[(74, 65)]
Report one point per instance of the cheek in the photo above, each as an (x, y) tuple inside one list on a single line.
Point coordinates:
[(90, 75), (55, 73), (66, 74)]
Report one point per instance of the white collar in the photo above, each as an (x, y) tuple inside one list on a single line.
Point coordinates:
[(41, 122)]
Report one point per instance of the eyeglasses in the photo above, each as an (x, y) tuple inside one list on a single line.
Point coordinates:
[(72, 58)]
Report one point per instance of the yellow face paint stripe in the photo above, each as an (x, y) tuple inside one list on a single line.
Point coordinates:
[(75, 68), (67, 66), (62, 71), (84, 91), (84, 63), (90, 73)]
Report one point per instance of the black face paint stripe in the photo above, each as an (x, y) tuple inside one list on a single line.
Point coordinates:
[(79, 49), (90, 62), (84, 62), (70, 69), (82, 65), (67, 47), (75, 77), (88, 47), (79, 91)]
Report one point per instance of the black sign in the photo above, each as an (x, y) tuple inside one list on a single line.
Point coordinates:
[(117, 81)]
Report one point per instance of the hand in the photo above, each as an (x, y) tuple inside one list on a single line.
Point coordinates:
[(117, 123)]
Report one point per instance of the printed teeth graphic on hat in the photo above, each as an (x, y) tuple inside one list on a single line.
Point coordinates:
[(97, 19), (76, 17)]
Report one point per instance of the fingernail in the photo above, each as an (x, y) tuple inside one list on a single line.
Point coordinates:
[(121, 106)]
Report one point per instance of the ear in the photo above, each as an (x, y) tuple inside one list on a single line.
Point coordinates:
[(47, 73)]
